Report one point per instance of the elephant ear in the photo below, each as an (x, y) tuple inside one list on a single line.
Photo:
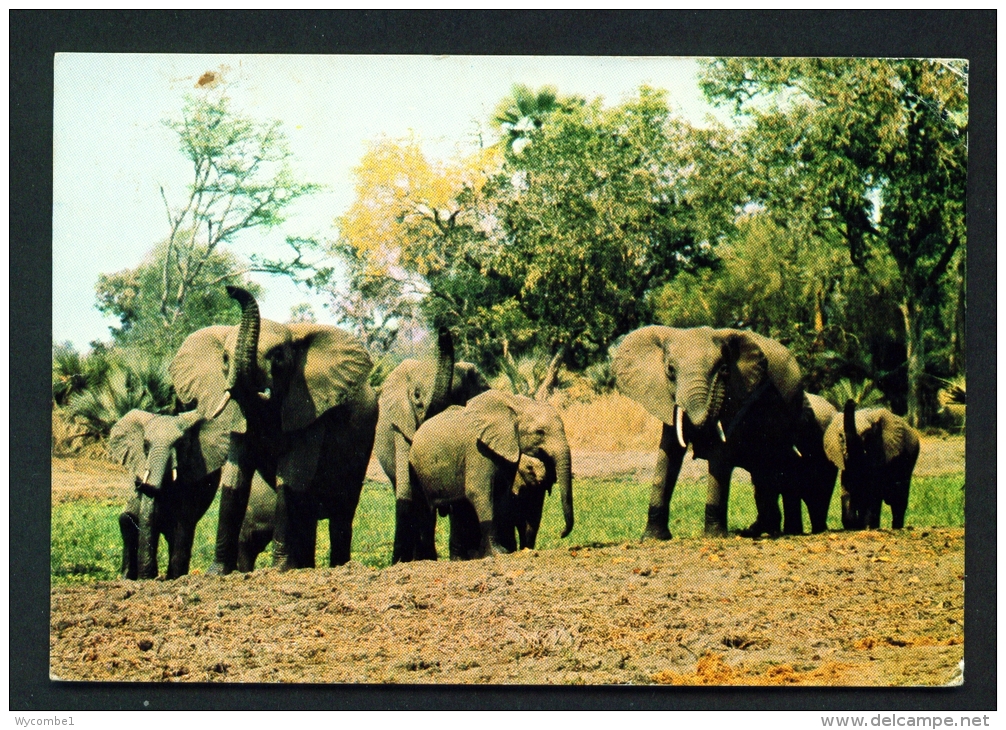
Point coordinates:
[(758, 357), (640, 370), (396, 400), (496, 424), (125, 442), (330, 364), (213, 444), (198, 374), (834, 441)]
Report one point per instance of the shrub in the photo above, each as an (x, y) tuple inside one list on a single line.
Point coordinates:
[(865, 393)]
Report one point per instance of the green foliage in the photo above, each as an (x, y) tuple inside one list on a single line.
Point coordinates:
[(241, 179), (601, 376), (73, 373), (136, 379), (134, 296), (871, 153), (865, 394)]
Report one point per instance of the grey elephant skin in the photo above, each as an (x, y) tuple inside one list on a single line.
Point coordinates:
[(876, 451), (470, 456), (299, 410), (174, 465), (412, 392), (519, 517), (737, 397)]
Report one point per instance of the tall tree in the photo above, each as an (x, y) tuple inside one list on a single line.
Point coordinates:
[(242, 179), (874, 150), (597, 209)]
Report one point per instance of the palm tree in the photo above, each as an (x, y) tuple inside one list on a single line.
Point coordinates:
[(523, 112)]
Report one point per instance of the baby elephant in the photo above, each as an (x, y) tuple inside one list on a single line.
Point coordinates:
[(471, 454), (876, 451), (521, 513), (174, 465)]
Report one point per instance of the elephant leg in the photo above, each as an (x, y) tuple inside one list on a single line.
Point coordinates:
[(130, 544), (235, 488), (295, 531), (483, 481), (766, 497), (425, 524), (149, 537), (529, 518), (899, 504), (465, 536), (403, 548), (665, 476), (253, 542), (792, 510), (717, 496), (180, 549), (340, 537)]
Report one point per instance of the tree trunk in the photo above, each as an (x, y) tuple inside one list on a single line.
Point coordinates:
[(915, 358)]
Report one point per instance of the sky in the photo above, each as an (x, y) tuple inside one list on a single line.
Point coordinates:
[(112, 152)]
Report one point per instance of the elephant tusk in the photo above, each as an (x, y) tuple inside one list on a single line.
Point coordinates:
[(265, 394), (174, 475), (797, 451), (679, 426), (223, 404), (146, 476), (719, 428)]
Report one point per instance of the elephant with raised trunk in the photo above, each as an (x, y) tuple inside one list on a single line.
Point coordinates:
[(413, 392), (471, 454), (174, 464), (300, 412), (738, 398), (876, 451)]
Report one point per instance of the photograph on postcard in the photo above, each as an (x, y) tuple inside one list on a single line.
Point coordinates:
[(508, 370)]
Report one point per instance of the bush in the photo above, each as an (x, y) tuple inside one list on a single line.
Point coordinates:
[(135, 380), (865, 393)]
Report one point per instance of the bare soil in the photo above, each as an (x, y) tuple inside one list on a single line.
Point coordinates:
[(867, 608)]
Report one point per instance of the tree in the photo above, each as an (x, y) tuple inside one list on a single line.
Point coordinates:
[(134, 297), (871, 150), (413, 233), (593, 213)]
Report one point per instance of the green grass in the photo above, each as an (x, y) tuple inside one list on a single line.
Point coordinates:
[(86, 544)]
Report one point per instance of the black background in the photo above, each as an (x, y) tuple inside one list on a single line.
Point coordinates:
[(36, 35)]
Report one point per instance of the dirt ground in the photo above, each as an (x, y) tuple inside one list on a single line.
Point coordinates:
[(867, 608)]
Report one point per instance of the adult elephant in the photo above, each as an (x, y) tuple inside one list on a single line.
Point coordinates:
[(174, 463), (804, 474), (737, 397), (471, 454), (412, 392), (304, 418), (876, 451)]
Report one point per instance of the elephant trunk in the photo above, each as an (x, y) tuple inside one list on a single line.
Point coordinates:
[(702, 401), (148, 536), (158, 461), (443, 382), (564, 481), (853, 442), (243, 373)]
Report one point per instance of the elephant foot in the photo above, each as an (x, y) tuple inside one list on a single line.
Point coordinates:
[(757, 530), (654, 532), (218, 568), (716, 521), (656, 525)]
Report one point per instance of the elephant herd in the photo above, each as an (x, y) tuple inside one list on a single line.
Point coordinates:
[(282, 421)]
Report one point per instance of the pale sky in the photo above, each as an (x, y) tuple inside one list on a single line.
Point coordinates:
[(111, 152)]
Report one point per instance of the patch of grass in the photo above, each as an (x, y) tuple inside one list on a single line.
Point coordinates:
[(87, 546)]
